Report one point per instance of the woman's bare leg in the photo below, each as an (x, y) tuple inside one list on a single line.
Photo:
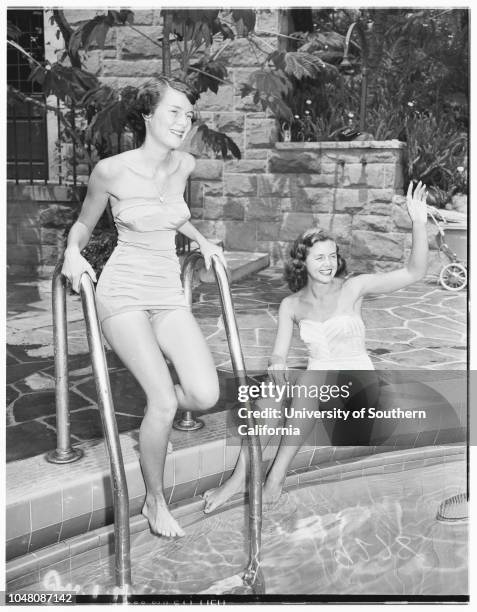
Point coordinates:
[(181, 340), (131, 336), (216, 497), (237, 482), (290, 444)]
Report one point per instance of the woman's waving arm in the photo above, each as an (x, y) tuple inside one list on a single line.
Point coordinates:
[(416, 267)]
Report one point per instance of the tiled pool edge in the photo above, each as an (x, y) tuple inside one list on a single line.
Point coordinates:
[(26, 569), (48, 503)]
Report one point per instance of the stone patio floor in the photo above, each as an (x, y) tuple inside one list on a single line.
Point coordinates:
[(423, 326)]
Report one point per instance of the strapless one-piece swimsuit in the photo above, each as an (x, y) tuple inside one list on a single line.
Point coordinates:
[(336, 347), (143, 272), (338, 343)]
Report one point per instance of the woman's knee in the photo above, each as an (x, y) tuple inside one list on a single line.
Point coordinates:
[(162, 406), (204, 396)]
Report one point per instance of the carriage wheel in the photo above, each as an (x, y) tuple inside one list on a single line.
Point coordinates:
[(453, 277)]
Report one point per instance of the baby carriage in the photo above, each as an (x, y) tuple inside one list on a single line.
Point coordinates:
[(453, 275)]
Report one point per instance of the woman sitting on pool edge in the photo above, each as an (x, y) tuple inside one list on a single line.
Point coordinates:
[(326, 307)]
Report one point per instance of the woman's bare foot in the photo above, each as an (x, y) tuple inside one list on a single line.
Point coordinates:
[(214, 498), (160, 519)]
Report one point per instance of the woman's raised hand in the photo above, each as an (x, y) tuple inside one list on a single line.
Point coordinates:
[(416, 203), (208, 249), (73, 267)]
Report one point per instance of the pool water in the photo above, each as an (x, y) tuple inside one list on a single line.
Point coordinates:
[(373, 534)]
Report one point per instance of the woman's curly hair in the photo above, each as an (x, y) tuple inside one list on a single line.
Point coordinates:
[(295, 268), (148, 97)]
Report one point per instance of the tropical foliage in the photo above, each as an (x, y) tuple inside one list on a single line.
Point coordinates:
[(418, 64), (190, 47)]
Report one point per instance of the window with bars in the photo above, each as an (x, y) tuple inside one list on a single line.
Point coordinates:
[(27, 149)]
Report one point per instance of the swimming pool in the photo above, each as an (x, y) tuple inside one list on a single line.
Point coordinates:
[(367, 529)]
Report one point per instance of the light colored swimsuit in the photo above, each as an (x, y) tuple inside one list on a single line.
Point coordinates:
[(336, 344), (143, 272)]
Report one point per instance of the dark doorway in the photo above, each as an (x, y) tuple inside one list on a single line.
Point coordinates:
[(27, 151)]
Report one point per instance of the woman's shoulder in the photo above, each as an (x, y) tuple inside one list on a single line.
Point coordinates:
[(111, 167), (290, 303), (186, 161)]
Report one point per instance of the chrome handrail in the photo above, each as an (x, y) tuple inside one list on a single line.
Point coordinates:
[(122, 546), (186, 420), (253, 576), (64, 453)]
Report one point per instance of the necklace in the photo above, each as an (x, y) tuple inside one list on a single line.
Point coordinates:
[(167, 164), (153, 177)]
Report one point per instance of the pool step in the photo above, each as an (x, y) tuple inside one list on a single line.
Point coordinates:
[(239, 264), (48, 503)]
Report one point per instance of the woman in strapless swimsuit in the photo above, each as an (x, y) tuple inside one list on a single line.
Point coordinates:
[(140, 299), (326, 306)]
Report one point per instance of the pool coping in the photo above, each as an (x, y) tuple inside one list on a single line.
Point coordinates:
[(48, 503), (30, 568)]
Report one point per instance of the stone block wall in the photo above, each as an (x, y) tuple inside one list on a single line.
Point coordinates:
[(134, 54), (37, 216), (264, 201), (259, 203)]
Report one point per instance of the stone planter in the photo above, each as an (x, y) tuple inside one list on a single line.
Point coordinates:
[(348, 189), (261, 203)]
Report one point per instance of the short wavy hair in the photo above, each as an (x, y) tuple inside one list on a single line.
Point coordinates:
[(295, 268), (148, 97)]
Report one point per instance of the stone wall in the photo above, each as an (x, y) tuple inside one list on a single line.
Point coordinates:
[(262, 202), (37, 216), (133, 54), (259, 203)]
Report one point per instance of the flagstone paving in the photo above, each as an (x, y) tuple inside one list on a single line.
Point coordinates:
[(421, 327)]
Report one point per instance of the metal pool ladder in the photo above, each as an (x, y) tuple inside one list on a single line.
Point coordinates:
[(253, 577), (64, 453)]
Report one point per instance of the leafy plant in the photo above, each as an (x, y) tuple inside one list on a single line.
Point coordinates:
[(94, 32), (417, 90), (435, 151), (219, 142), (274, 84), (418, 79), (105, 113), (268, 88)]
